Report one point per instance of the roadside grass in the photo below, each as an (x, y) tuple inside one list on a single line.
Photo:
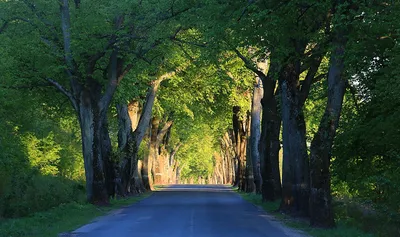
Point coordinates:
[(64, 218), (343, 229)]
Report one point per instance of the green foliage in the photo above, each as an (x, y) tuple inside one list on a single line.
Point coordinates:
[(193, 163), (43, 153), (40, 155)]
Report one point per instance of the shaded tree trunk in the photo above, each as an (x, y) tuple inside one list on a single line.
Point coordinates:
[(269, 144), (127, 182), (295, 183), (240, 138), (92, 151), (321, 211)]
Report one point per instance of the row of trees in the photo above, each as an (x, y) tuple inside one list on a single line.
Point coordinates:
[(211, 91), (314, 47)]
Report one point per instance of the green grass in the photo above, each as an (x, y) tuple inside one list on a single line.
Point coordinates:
[(342, 229), (63, 218)]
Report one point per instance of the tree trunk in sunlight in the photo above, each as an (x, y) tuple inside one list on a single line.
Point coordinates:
[(127, 183), (255, 134), (227, 147), (152, 152)]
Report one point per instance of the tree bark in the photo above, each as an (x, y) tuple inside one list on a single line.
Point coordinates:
[(237, 123), (159, 154), (321, 211), (128, 178), (173, 163), (132, 128), (255, 134), (226, 147), (91, 132), (295, 183), (269, 144), (155, 122)]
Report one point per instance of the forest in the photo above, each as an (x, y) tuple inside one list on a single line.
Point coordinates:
[(295, 101)]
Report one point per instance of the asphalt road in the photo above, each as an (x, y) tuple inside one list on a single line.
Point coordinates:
[(188, 211)]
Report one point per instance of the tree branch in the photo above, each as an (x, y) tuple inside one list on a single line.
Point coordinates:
[(66, 27), (164, 131), (64, 91), (249, 65), (309, 80), (112, 82)]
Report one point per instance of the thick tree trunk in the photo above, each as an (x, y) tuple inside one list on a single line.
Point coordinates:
[(321, 211), (224, 168), (255, 134), (147, 167), (153, 152), (227, 149), (239, 126), (132, 128), (129, 183), (109, 165), (295, 183), (92, 134), (275, 147), (173, 164), (269, 144), (250, 184)]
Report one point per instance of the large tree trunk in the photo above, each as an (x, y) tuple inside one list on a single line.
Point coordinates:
[(321, 212), (147, 168), (172, 164), (250, 184), (226, 147), (91, 132), (240, 137), (132, 129), (295, 185), (269, 144), (255, 135), (127, 167), (153, 152), (109, 170), (159, 155)]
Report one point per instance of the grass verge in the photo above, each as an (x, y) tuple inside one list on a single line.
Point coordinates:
[(342, 229), (64, 218)]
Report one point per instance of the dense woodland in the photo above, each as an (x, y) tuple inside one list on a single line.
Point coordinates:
[(294, 100)]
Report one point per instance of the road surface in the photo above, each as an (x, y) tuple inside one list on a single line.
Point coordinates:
[(188, 211)]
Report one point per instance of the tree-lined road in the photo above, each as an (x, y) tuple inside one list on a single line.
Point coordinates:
[(187, 211)]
